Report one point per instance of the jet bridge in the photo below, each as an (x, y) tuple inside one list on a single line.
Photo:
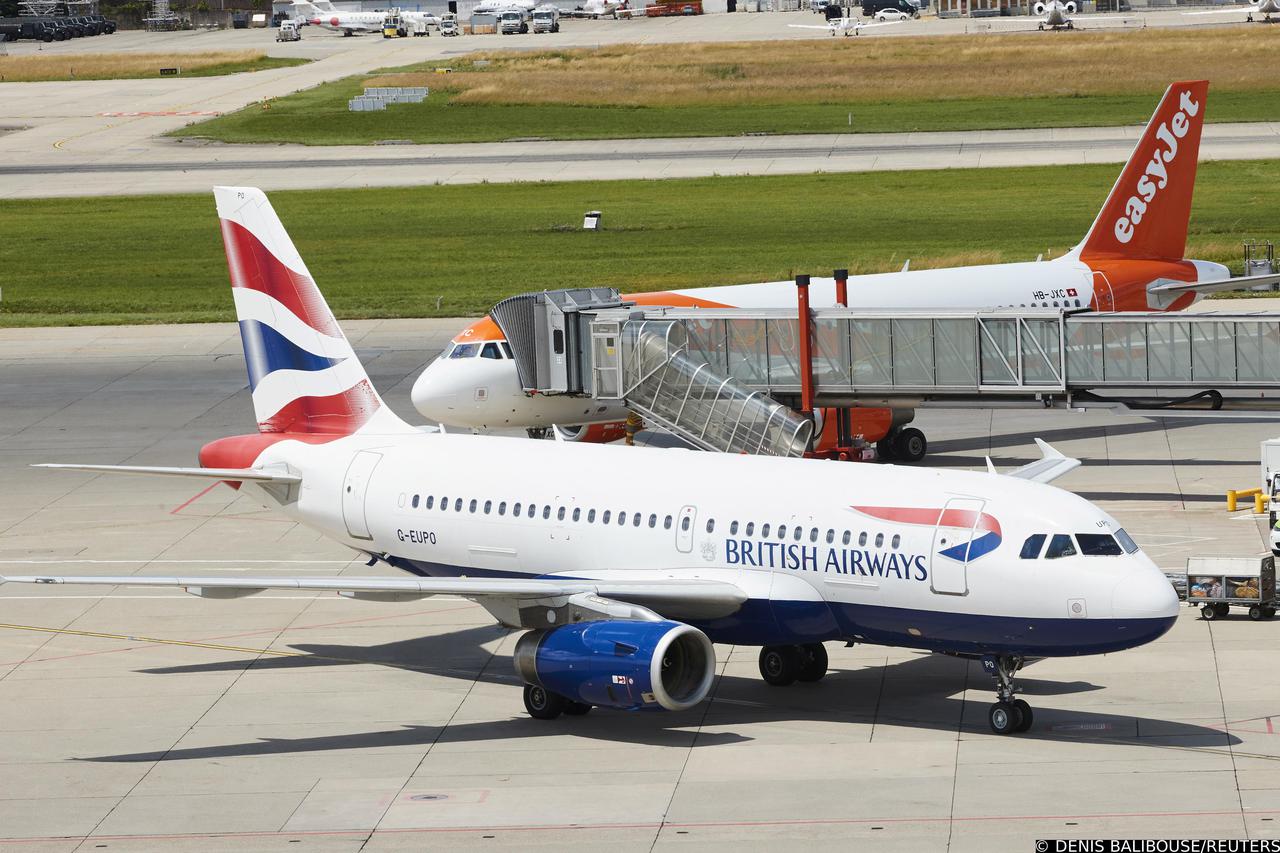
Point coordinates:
[(730, 379)]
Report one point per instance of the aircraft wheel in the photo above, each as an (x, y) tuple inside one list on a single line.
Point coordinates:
[(813, 662), (780, 665), (576, 709), (910, 445), (1025, 715), (542, 704), (1004, 718)]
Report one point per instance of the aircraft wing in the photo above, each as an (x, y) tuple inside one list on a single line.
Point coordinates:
[(809, 26), (1049, 467), (1236, 9), (235, 475), (1174, 288), (691, 598)]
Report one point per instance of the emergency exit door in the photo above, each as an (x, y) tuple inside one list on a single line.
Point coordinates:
[(354, 489), (684, 529), (953, 537)]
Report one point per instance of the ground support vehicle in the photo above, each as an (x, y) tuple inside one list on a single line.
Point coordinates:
[(1216, 584), (289, 31)]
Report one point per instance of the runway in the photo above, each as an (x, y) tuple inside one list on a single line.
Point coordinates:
[(92, 138), (148, 721)]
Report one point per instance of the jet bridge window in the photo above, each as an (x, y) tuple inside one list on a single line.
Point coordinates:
[(1031, 548), (464, 350), (490, 350), (1126, 541), (1060, 546), (1098, 545)]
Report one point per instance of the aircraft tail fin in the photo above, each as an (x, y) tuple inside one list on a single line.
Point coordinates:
[(303, 373), (1147, 212)]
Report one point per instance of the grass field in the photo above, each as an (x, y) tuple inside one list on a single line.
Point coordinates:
[(452, 250), (120, 66), (822, 86)]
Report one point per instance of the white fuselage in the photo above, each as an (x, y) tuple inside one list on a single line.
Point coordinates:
[(831, 557)]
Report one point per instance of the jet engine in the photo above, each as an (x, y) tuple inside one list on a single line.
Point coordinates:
[(1040, 8), (617, 663), (593, 433)]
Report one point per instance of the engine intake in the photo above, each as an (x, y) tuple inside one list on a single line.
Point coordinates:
[(623, 664)]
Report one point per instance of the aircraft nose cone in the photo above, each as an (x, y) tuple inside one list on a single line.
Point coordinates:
[(1145, 595), (433, 395)]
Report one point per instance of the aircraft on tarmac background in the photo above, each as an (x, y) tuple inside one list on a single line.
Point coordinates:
[(1057, 15), (321, 13), (847, 26), (1130, 260), (1265, 8), (624, 591)]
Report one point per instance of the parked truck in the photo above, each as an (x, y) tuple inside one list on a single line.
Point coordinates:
[(546, 19), (513, 21)]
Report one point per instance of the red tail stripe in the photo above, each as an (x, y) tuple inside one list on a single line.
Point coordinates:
[(341, 414), (253, 266)]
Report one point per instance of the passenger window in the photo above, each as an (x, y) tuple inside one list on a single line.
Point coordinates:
[(490, 351), (862, 538), (831, 536), (813, 535), (782, 531), (506, 350), (666, 523), (1031, 548), (457, 504), (1060, 546), (474, 503), (879, 539), (897, 540), (684, 524), (431, 501), (577, 513), (733, 528), (751, 526), (711, 525), (846, 538), (653, 520), (502, 508), (591, 516), (560, 514), (622, 518), (464, 351), (1126, 541), (546, 512), (1098, 545), (515, 509), (488, 507), (797, 533), (764, 531), (604, 519), (635, 520), (413, 503)]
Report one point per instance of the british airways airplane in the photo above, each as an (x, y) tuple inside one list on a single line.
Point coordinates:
[(624, 566)]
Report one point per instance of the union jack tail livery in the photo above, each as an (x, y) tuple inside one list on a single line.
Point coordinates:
[(1149, 208), (304, 375)]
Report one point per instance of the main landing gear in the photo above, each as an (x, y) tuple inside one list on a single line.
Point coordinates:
[(542, 704), (783, 665), (1008, 715), (906, 445)]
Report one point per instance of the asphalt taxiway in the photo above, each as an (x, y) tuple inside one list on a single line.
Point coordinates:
[(142, 720)]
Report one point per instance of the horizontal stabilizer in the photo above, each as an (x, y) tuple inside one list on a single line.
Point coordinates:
[(707, 598), (251, 475), (1174, 288), (1049, 467)]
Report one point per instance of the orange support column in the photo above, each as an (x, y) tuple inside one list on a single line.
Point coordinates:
[(806, 344)]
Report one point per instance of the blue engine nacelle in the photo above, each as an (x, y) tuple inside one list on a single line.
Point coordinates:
[(617, 663)]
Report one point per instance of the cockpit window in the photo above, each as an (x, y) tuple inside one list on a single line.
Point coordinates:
[(1098, 545), (506, 350), (490, 351), (1060, 546), (1031, 548), (464, 351), (1126, 541)]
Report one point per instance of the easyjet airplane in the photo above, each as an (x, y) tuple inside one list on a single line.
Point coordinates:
[(623, 591), (1131, 260)]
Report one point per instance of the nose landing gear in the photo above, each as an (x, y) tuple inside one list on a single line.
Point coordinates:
[(1009, 714)]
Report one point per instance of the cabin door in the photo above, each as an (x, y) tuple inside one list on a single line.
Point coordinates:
[(953, 540), (359, 473)]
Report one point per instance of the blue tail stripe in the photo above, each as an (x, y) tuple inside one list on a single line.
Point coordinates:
[(266, 351)]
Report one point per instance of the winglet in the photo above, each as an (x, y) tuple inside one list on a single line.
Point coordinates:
[(1050, 466)]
